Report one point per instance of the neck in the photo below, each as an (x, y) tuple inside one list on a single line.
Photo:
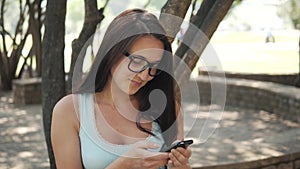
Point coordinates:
[(118, 100), (112, 94)]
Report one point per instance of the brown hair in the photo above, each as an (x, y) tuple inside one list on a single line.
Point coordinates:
[(119, 37)]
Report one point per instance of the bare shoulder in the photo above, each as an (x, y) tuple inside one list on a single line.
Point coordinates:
[(66, 110), (65, 133)]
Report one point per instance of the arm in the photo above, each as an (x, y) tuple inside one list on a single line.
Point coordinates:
[(64, 135)]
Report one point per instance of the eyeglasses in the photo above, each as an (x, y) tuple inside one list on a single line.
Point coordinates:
[(138, 64)]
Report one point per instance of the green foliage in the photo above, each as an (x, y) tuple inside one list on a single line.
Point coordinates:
[(290, 9)]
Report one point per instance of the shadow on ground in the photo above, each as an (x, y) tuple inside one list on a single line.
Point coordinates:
[(22, 144), (242, 135)]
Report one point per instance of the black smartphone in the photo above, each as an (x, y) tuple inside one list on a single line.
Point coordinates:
[(183, 144)]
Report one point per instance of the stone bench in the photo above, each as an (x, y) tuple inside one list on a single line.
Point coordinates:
[(27, 91)]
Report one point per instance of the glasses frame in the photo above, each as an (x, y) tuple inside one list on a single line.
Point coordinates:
[(148, 65)]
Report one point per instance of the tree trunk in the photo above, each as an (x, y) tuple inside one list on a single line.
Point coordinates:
[(10, 60), (53, 83), (35, 23), (92, 17), (297, 82), (6, 82), (197, 20), (170, 22), (208, 26)]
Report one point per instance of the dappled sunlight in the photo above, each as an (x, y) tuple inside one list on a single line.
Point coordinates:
[(243, 135), (3, 120), (25, 154), (6, 99), (25, 130), (22, 143)]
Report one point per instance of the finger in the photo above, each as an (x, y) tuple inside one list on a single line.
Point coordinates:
[(186, 152), (157, 156), (174, 160), (178, 158), (156, 163), (170, 164)]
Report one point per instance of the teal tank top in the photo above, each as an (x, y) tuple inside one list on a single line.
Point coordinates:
[(96, 152)]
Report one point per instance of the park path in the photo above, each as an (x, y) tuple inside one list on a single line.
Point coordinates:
[(22, 143)]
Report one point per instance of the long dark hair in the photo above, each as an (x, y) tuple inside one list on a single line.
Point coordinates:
[(119, 37)]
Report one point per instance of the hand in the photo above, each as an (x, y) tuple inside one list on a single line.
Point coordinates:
[(138, 157), (179, 158)]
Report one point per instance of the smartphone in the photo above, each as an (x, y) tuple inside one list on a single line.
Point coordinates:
[(183, 144)]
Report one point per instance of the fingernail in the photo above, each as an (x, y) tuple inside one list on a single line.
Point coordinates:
[(156, 144)]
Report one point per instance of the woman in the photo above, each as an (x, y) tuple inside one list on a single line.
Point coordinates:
[(110, 122)]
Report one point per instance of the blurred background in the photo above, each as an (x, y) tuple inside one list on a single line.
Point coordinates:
[(240, 40)]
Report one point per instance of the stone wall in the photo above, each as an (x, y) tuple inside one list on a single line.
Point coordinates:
[(289, 161), (283, 100), (27, 91), (286, 79)]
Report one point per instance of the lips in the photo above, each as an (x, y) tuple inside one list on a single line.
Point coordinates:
[(137, 83)]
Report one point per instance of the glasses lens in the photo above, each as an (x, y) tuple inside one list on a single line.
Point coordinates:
[(154, 71), (137, 64)]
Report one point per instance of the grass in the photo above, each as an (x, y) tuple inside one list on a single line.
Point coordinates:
[(254, 36), (247, 52)]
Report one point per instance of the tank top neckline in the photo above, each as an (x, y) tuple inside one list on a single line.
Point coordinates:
[(92, 104)]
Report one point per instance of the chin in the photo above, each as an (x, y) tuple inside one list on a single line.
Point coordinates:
[(133, 92)]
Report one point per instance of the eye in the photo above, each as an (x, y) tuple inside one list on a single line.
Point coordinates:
[(137, 61)]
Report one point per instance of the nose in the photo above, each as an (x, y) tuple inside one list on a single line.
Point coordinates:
[(144, 75)]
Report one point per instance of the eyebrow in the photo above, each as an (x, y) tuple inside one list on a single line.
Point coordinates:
[(127, 53)]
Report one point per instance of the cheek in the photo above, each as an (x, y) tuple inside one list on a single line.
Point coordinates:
[(121, 74)]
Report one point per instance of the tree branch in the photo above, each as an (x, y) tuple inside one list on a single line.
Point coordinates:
[(196, 22), (20, 22), (147, 4), (92, 18), (3, 32), (35, 30), (173, 9), (209, 25)]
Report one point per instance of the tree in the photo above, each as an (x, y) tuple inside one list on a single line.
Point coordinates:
[(290, 9), (28, 24), (207, 19), (53, 75), (93, 16)]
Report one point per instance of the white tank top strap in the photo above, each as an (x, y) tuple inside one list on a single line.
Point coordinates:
[(86, 109)]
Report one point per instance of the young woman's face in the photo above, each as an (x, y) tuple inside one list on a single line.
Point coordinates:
[(146, 49)]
